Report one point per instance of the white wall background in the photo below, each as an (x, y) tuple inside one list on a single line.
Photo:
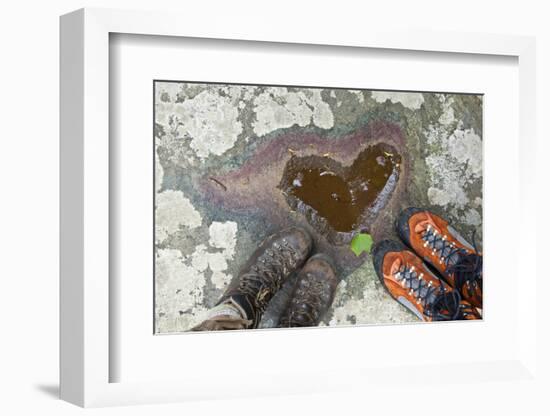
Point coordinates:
[(29, 182)]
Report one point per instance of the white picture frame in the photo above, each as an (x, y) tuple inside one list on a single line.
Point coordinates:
[(85, 222)]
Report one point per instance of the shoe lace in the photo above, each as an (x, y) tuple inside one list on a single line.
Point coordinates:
[(466, 267), (439, 304), (446, 250), (265, 276)]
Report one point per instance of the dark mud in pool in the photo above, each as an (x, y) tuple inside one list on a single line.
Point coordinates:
[(341, 201)]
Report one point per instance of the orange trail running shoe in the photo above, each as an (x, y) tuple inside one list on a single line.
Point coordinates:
[(410, 282), (440, 245)]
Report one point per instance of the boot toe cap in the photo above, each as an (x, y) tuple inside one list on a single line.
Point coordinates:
[(402, 223)]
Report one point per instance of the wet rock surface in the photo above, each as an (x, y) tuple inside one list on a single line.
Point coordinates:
[(341, 201), (220, 156)]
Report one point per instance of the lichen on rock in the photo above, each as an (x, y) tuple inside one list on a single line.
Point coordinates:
[(179, 291), (224, 236), (173, 210), (210, 121), (181, 280), (409, 100), (454, 164), (277, 108)]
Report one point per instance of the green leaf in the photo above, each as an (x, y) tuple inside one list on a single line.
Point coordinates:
[(361, 242)]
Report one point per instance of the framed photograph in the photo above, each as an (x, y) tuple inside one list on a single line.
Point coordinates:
[(325, 212)]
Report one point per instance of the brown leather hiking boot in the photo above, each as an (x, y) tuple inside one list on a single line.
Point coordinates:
[(246, 298), (410, 282), (312, 295), (439, 244)]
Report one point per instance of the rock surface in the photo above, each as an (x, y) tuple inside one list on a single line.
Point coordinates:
[(220, 154)]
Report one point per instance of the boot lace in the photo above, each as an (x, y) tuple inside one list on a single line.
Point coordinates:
[(446, 250), (266, 276), (466, 267), (307, 304), (439, 304)]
